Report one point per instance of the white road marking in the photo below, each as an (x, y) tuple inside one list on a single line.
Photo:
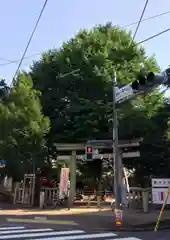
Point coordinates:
[(28, 235), (51, 234), (11, 228), (84, 236), (26, 230), (126, 238)]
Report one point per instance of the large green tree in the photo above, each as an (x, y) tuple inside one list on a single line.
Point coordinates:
[(78, 105), (155, 149), (23, 128)]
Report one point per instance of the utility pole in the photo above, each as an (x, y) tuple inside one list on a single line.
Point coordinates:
[(116, 157)]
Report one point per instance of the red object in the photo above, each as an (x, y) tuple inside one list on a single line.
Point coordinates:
[(48, 182), (162, 196), (118, 214), (89, 149)]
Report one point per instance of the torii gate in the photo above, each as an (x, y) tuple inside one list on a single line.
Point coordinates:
[(73, 148)]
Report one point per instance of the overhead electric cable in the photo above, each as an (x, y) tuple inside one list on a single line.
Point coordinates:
[(154, 36), (147, 19), (30, 39), (137, 28), (8, 62)]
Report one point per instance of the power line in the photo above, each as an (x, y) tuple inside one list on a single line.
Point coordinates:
[(125, 26), (154, 36), (147, 19), (30, 39), (144, 9), (16, 61), (6, 60)]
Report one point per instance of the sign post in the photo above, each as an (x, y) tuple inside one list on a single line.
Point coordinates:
[(161, 211), (160, 195)]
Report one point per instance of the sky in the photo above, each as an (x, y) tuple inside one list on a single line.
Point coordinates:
[(61, 20)]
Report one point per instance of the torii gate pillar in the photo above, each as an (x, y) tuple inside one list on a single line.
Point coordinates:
[(73, 176)]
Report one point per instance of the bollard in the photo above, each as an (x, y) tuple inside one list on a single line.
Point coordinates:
[(119, 217), (161, 211), (99, 202), (42, 196), (145, 201)]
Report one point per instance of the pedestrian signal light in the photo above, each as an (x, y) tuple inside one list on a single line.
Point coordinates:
[(89, 153), (89, 149)]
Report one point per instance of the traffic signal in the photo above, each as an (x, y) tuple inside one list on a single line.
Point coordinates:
[(167, 74), (89, 153), (147, 81)]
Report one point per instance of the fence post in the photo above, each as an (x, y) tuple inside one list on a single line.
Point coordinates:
[(42, 197), (145, 200), (15, 195)]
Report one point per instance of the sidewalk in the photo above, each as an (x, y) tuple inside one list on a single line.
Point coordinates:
[(19, 209), (133, 220), (65, 211)]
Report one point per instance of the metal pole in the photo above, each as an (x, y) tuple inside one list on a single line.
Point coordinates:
[(116, 157)]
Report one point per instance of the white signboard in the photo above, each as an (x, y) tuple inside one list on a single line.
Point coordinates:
[(159, 195), (131, 154), (160, 190), (123, 92), (160, 182)]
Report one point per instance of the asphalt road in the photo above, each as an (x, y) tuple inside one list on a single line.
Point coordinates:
[(67, 228), (85, 222), (43, 231)]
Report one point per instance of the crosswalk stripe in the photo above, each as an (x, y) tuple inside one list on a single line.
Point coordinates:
[(123, 238), (84, 236), (11, 228), (27, 235), (26, 230), (17, 232)]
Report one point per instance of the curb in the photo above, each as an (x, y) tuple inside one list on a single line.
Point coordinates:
[(138, 229), (135, 229), (125, 229)]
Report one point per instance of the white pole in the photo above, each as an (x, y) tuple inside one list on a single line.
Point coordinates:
[(126, 178)]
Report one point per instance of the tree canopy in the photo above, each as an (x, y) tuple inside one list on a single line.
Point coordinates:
[(80, 104), (23, 127), (67, 97)]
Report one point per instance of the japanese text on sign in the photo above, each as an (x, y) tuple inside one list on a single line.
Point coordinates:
[(160, 182), (159, 190)]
